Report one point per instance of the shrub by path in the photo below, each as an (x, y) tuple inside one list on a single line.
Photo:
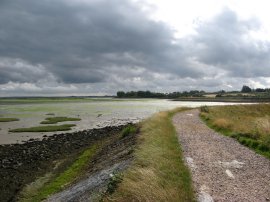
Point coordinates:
[(222, 169)]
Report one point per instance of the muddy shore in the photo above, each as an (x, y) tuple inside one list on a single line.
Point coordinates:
[(21, 164)]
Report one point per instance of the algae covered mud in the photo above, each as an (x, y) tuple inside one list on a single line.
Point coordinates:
[(93, 112)]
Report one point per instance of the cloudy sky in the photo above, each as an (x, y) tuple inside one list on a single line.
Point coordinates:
[(97, 47)]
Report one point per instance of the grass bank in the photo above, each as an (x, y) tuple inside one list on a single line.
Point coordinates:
[(64, 127), (50, 184), (249, 124), (158, 172)]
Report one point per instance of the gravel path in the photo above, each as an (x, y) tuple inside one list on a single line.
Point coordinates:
[(222, 169)]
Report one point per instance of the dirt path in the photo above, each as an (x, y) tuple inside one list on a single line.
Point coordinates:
[(222, 169)]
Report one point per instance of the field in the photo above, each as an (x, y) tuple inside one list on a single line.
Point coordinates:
[(249, 124)]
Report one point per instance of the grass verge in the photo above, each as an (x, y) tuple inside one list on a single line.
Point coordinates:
[(64, 127), (54, 120), (249, 124), (8, 119), (158, 172), (62, 180)]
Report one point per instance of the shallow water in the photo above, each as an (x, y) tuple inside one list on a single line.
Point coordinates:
[(94, 114)]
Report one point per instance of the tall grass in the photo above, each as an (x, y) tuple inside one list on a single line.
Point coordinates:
[(158, 172), (249, 124)]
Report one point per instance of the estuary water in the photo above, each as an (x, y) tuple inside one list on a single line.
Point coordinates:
[(93, 113)]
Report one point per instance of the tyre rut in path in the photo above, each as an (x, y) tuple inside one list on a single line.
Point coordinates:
[(222, 169)]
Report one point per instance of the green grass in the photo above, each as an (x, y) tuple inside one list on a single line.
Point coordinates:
[(249, 124), (64, 127), (54, 120), (8, 119), (63, 179), (129, 130), (158, 172)]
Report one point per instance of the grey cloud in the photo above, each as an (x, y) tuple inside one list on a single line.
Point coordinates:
[(224, 43), (18, 70), (106, 45), (73, 40)]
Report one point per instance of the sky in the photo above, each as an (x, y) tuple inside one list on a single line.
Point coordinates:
[(99, 47)]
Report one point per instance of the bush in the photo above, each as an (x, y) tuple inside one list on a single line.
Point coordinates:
[(205, 116), (254, 144), (246, 89), (113, 183), (250, 135), (243, 141), (263, 147), (128, 131), (204, 109), (235, 135)]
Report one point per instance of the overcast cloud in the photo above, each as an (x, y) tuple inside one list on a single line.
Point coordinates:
[(71, 47)]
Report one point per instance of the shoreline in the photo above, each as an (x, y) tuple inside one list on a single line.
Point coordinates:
[(23, 163), (229, 100)]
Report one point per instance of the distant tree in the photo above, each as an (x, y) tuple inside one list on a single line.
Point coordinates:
[(222, 91), (260, 90), (149, 94), (246, 89), (121, 94)]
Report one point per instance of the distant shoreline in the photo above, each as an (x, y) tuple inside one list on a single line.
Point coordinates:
[(243, 100)]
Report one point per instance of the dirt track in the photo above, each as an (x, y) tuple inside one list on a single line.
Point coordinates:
[(222, 169)]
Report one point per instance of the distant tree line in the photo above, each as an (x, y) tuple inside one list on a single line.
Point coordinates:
[(247, 89), (192, 93), (149, 94)]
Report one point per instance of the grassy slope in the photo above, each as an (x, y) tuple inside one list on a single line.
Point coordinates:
[(158, 172), (249, 124), (64, 127), (53, 120), (58, 183)]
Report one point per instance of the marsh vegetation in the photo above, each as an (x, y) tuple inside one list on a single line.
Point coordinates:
[(8, 119), (63, 127), (54, 120)]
